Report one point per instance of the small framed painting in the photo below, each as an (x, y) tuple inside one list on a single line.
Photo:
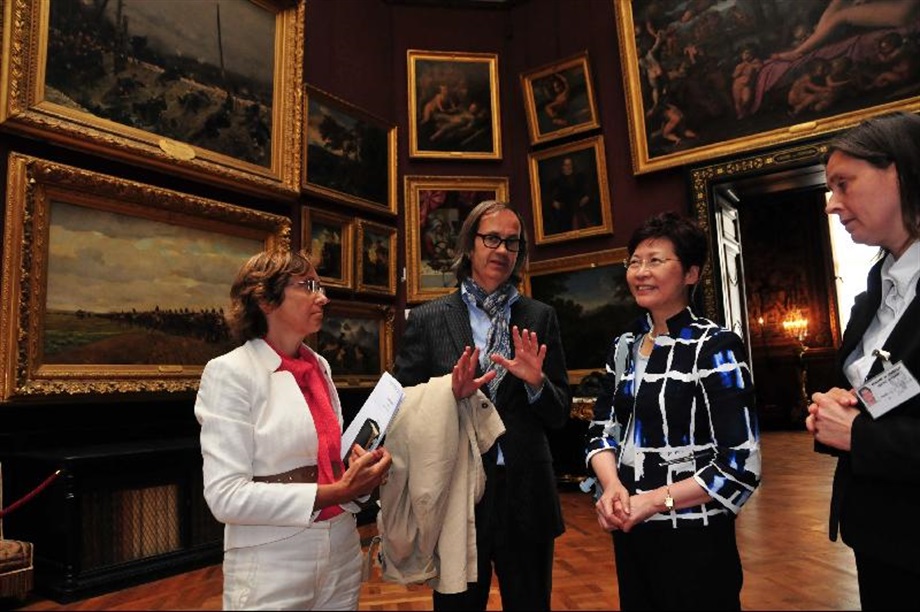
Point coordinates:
[(376, 261), (570, 195), (453, 105), (357, 340), (329, 238), (349, 154), (559, 99), (436, 208)]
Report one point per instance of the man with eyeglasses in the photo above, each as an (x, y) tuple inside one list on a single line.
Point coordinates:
[(518, 516)]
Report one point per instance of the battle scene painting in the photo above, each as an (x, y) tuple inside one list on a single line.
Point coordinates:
[(200, 73)]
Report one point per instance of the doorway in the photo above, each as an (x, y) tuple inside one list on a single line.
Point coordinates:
[(772, 277)]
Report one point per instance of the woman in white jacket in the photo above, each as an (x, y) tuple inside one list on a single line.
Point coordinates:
[(271, 431)]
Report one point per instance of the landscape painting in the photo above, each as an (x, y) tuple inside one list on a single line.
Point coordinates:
[(114, 285), (593, 303), (350, 154), (116, 299)]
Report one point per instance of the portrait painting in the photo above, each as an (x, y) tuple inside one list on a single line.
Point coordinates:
[(708, 79), (592, 300), (329, 238), (569, 191), (117, 286), (204, 89), (436, 208), (559, 99), (350, 154), (357, 340), (376, 261), (454, 105)]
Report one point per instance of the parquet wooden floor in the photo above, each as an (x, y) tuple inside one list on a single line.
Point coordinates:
[(789, 564)]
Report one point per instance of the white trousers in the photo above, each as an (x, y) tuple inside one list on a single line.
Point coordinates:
[(317, 569)]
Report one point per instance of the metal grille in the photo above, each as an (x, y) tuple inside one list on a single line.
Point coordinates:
[(128, 524)]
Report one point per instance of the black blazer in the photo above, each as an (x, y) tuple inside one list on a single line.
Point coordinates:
[(876, 495), (435, 336)]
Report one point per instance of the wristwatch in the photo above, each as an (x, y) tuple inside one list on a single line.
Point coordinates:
[(668, 500)]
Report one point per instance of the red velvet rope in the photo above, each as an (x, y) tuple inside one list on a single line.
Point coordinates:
[(30, 494)]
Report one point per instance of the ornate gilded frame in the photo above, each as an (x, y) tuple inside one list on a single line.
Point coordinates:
[(319, 227), (435, 209), (245, 117), (349, 329), (590, 168), (367, 280), (591, 299), (770, 124), (465, 120), (349, 154), (703, 180), (559, 99), (90, 306)]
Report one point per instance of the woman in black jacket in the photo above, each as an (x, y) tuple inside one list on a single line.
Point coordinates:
[(873, 172)]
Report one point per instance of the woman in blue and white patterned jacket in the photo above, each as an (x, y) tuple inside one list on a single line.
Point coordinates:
[(674, 443)]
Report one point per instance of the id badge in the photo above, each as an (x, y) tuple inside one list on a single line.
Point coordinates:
[(891, 387)]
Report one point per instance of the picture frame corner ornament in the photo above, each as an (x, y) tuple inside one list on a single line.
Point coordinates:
[(176, 149)]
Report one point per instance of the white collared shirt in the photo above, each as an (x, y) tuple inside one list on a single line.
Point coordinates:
[(899, 288)]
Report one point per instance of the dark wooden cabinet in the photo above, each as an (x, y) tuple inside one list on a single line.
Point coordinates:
[(118, 514)]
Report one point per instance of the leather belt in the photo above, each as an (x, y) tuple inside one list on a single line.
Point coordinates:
[(306, 473)]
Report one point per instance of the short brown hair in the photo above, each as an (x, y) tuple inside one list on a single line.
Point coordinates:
[(262, 280)]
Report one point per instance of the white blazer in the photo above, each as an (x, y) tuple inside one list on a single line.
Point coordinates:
[(256, 422)]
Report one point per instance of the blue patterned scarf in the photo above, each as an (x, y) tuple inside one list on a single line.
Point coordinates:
[(498, 340)]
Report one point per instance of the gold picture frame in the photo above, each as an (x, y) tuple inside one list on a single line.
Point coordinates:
[(559, 99), (454, 110), (357, 340), (375, 267), (738, 86), (436, 207), (349, 154), (192, 100), (569, 191), (592, 300), (113, 286), (330, 239)]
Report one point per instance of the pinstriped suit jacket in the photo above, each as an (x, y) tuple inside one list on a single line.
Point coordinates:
[(435, 336)]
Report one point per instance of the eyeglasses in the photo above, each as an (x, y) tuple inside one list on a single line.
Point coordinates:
[(493, 241), (634, 264), (311, 286)]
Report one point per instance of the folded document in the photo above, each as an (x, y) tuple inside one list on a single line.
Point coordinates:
[(371, 423)]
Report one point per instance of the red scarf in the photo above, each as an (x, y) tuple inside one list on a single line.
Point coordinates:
[(308, 374)]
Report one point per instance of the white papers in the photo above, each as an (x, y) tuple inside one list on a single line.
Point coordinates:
[(378, 410)]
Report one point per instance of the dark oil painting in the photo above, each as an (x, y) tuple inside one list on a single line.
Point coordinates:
[(712, 71), (351, 344), (197, 72), (594, 306)]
